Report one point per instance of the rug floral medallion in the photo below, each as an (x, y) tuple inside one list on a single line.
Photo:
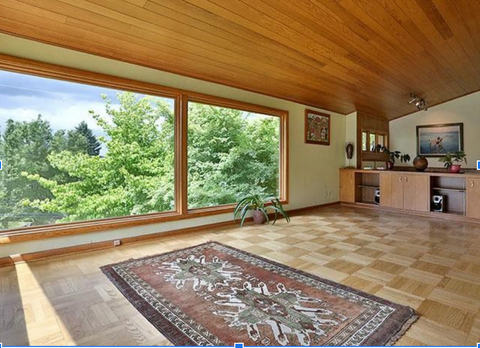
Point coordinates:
[(215, 295)]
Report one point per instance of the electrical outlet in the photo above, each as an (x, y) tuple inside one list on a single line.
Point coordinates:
[(117, 242)]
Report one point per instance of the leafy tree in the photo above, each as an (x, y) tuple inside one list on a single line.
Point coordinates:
[(93, 145), (135, 176), (78, 140), (230, 155), (24, 146), (61, 176)]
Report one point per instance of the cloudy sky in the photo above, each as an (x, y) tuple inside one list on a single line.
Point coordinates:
[(63, 104)]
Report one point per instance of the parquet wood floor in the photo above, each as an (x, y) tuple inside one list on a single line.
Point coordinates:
[(430, 265)]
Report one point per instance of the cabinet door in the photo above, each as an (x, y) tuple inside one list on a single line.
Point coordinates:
[(416, 192), (473, 198), (397, 190), (347, 186), (386, 190)]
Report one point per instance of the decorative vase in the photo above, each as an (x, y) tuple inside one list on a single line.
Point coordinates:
[(258, 217), (390, 165), (420, 163), (455, 168), (349, 150)]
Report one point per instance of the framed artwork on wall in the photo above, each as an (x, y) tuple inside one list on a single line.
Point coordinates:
[(437, 140), (317, 128)]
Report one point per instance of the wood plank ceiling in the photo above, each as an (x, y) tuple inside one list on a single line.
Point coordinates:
[(341, 55)]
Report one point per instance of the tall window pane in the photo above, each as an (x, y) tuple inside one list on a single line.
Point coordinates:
[(74, 152), (372, 142), (231, 153)]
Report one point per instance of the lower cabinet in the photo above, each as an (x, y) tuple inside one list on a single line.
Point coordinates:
[(416, 193), (473, 198), (397, 190), (412, 191), (405, 191), (347, 186), (386, 190)]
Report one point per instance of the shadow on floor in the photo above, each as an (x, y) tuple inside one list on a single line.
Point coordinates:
[(13, 330)]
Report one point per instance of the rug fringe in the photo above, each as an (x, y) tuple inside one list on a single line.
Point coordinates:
[(406, 325)]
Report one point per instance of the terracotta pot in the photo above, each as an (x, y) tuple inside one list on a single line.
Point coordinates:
[(420, 163), (455, 168), (390, 165), (258, 217)]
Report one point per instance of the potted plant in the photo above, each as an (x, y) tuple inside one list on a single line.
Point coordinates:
[(393, 155), (452, 161), (259, 208)]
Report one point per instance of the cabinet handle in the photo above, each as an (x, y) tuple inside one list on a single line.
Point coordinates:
[(406, 179), (400, 179), (472, 183)]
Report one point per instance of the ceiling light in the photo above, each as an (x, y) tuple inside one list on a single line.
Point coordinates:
[(413, 98), (420, 103)]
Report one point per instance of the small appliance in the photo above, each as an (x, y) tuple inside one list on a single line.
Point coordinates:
[(377, 196), (438, 203)]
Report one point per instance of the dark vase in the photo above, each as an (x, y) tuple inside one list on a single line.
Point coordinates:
[(420, 163), (390, 165), (258, 217), (349, 150)]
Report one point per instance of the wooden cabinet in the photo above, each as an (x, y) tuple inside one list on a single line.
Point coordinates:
[(412, 191), (405, 191), (416, 193), (397, 190), (473, 198), (386, 190), (347, 186)]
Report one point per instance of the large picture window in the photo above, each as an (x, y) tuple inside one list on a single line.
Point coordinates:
[(231, 153), (85, 152), (74, 152)]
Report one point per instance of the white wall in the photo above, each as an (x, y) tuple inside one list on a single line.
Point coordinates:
[(313, 168), (403, 136)]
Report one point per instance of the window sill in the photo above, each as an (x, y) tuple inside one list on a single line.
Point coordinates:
[(74, 228)]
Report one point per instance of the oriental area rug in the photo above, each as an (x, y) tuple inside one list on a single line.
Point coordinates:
[(213, 294)]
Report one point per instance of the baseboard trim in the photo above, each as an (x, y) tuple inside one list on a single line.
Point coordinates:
[(443, 216), (52, 253)]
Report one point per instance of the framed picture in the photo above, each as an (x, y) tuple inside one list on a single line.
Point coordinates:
[(437, 140), (317, 128)]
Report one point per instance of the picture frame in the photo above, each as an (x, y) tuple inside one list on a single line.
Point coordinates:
[(317, 128), (439, 139)]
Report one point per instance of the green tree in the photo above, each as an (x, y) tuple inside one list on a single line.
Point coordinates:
[(231, 154), (78, 140), (25, 147), (93, 145), (135, 176)]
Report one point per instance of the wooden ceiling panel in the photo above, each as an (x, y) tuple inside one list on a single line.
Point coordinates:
[(341, 55)]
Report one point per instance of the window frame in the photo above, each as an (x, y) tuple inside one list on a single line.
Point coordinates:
[(181, 97), (243, 106), (377, 134)]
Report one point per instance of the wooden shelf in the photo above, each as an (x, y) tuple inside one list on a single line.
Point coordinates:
[(367, 203), (449, 189), (449, 212)]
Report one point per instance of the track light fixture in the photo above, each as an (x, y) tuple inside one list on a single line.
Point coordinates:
[(420, 103)]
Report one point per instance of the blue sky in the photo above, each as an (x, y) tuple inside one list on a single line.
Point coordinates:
[(63, 104)]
